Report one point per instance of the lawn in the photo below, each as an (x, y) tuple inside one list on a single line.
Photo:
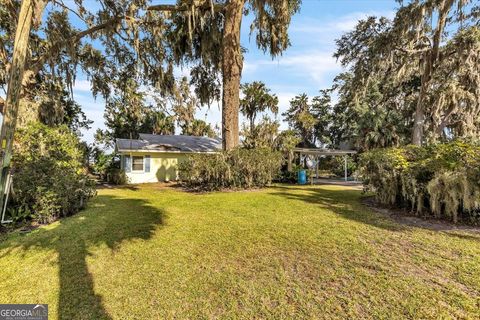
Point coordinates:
[(284, 252)]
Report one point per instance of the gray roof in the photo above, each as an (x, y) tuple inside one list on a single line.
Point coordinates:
[(169, 143)]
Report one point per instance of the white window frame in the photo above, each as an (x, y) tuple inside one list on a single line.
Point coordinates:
[(143, 164)]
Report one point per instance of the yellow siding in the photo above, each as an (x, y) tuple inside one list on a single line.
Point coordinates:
[(163, 167)]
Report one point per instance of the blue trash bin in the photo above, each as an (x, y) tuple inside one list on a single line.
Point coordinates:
[(302, 177)]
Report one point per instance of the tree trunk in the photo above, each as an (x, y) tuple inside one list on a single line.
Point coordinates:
[(440, 128), (252, 125), (232, 70), (419, 119), (14, 91)]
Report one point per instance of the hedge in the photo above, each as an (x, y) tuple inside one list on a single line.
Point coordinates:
[(440, 180), (238, 168)]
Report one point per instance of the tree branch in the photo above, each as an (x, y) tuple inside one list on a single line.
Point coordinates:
[(411, 51), (444, 121), (175, 8), (98, 27), (3, 52), (61, 4), (37, 65)]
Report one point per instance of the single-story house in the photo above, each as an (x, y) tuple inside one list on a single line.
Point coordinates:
[(153, 158)]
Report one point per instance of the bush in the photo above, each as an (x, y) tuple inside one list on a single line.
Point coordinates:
[(116, 176), (441, 180), (102, 162), (289, 176), (49, 177), (338, 166), (239, 168)]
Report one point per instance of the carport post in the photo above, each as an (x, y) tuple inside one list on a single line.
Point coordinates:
[(346, 172)]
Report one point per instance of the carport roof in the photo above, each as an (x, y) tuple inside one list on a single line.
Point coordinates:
[(323, 152)]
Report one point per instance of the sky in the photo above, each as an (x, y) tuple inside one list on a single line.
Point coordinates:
[(306, 67)]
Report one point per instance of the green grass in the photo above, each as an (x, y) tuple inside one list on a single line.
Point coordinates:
[(280, 253)]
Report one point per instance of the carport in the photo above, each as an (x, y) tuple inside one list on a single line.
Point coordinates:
[(318, 152)]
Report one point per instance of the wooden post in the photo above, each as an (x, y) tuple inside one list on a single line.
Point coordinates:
[(346, 168), (14, 92)]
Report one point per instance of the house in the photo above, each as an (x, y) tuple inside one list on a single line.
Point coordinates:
[(153, 158)]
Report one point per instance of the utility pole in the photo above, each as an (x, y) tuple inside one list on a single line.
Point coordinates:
[(14, 92)]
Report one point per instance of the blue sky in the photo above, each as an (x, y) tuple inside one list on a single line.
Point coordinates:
[(306, 67)]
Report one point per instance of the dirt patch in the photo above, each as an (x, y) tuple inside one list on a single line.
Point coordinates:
[(24, 228), (405, 217)]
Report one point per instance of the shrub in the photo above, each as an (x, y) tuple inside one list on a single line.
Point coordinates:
[(289, 176), (102, 162), (115, 175), (238, 168), (441, 180), (338, 166), (49, 178)]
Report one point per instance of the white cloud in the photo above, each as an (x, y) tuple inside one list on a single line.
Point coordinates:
[(310, 59), (249, 67), (316, 66), (336, 25)]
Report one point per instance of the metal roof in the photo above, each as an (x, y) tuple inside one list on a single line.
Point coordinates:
[(323, 152), (169, 143)]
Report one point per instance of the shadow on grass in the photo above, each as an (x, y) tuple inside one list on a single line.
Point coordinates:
[(347, 203), (108, 221), (344, 202)]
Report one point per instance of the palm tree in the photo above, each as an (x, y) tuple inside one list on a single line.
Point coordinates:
[(257, 99)]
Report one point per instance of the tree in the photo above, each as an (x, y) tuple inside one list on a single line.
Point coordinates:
[(272, 18), (50, 176), (184, 105), (157, 122), (424, 64), (300, 118), (198, 33), (312, 119), (17, 70), (427, 40), (322, 111), (200, 128), (127, 114), (61, 109), (263, 135), (369, 123), (257, 99), (287, 140)]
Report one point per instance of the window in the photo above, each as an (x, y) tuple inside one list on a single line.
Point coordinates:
[(137, 163)]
